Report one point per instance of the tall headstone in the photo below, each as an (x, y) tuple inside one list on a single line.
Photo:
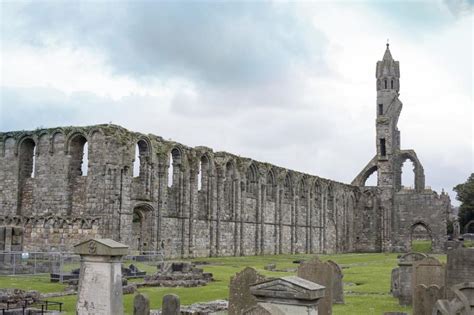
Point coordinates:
[(405, 265), (240, 297), (459, 268), (100, 281), (171, 305), (321, 273), (425, 297), (286, 296), (428, 271), (141, 305), (337, 284)]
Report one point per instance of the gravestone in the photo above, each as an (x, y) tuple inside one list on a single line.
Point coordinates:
[(141, 305), (337, 284), (286, 296), (100, 281), (461, 304), (395, 282), (240, 297), (405, 265), (425, 297), (321, 273), (428, 271), (170, 305), (459, 268)]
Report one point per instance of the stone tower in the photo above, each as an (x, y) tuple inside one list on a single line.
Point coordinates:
[(388, 110), (392, 212)]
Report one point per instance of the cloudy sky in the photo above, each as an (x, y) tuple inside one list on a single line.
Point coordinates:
[(288, 83)]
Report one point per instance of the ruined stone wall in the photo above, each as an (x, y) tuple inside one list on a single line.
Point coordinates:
[(426, 209), (190, 201)]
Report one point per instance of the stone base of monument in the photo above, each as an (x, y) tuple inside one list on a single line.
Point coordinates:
[(178, 274), (100, 282)]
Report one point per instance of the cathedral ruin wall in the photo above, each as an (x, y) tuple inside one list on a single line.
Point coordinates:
[(190, 201)]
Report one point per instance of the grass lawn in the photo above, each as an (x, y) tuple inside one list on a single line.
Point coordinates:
[(366, 282), (421, 246)]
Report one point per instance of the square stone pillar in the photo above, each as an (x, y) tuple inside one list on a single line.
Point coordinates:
[(100, 281), (288, 295)]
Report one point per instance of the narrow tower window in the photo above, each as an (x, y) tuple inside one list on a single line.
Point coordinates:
[(383, 150), (385, 83), (391, 84), (380, 109)]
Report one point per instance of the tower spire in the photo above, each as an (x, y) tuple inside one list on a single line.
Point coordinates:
[(387, 55)]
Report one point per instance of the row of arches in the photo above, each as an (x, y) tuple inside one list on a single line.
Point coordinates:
[(408, 173)]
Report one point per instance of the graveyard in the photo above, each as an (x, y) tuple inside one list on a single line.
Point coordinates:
[(366, 282)]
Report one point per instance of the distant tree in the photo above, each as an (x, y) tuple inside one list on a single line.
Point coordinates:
[(465, 194)]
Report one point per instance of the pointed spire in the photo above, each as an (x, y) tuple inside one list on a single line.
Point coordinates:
[(387, 55)]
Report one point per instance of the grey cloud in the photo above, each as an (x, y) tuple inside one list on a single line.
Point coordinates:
[(220, 43)]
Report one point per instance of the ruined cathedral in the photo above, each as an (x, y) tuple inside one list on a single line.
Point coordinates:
[(61, 185)]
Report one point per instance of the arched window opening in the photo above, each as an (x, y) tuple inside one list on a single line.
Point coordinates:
[(302, 190), (421, 241), (270, 189), (408, 175), (372, 179), (27, 158), (136, 162), (174, 166), (391, 84), (385, 82), (203, 174), (33, 168), (78, 150), (228, 188), (140, 160), (330, 202), (287, 187), (251, 184)]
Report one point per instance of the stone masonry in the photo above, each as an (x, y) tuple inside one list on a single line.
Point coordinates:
[(392, 212), (62, 185)]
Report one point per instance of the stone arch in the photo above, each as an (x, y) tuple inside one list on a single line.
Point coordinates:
[(26, 172), (469, 226), (204, 189), (142, 227), (57, 141), (270, 185), (371, 170), (251, 181), (141, 157), (229, 188), (418, 169), (77, 147), (288, 187), (421, 231), (176, 159)]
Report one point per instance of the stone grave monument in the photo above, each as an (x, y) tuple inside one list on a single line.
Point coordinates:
[(461, 304), (325, 274), (425, 297), (459, 268), (286, 296), (100, 281), (337, 284), (240, 297), (405, 272), (171, 305), (141, 304)]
